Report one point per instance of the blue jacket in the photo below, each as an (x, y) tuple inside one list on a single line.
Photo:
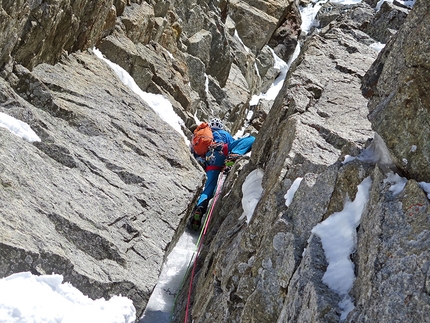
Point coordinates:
[(222, 136), (215, 158)]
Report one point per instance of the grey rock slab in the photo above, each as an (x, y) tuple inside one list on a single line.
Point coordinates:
[(397, 85), (101, 198), (392, 257)]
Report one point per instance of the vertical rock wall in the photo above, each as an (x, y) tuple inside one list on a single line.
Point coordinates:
[(398, 87), (271, 269), (104, 195), (101, 198), (35, 32)]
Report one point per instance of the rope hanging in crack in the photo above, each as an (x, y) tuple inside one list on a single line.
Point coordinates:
[(200, 243), (196, 246)]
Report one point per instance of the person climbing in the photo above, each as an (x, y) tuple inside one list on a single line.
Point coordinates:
[(220, 147)]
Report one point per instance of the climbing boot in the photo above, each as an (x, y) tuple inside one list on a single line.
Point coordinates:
[(196, 219)]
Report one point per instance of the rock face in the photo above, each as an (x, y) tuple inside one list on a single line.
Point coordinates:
[(319, 113), (391, 256), (35, 32), (271, 269), (397, 85), (104, 195), (107, 177), (386, 22)]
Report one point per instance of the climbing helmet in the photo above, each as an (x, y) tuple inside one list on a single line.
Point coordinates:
[(216, 123)]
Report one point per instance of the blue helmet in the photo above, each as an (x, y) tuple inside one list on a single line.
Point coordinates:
[(216, 123)]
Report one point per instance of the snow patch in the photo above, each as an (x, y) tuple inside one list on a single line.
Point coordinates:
[(377, 46), (39, 299), (18, 128), (252, 190), (338, 236), (276, 86), (162, 299), (308, 15), (426, 188), (292, 190), (397, 183)]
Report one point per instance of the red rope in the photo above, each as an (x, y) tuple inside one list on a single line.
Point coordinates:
[(200, 246)]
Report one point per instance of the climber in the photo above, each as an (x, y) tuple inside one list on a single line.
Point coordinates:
[(223, 147)]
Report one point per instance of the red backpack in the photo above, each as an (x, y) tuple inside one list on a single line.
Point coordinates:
[(202, 139)]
